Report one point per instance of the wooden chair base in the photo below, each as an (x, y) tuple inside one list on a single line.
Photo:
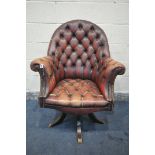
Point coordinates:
[(79, 131), (58, 120), (62, 116), (95, 119)]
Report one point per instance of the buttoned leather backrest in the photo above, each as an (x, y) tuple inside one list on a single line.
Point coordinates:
[(78, 48)]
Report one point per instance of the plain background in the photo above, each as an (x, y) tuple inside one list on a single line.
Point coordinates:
[(44, 16), (13, 73)]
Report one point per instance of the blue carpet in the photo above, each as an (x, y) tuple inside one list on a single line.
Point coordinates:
[(106, 139)]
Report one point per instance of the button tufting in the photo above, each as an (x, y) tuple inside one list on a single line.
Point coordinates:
[(67, 27), (74, 42), (77, 93), (61, 35), (101, 44), (97, 36), (73, 34), (92, 28), (80, 26), (57, 44), (78, 45)]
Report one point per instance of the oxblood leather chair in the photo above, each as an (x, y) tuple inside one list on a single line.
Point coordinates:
[(77, 75)]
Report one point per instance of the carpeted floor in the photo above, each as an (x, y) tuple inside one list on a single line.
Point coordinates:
[(107, 139)]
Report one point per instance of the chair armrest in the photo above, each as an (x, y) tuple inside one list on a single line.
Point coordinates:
[(45, 68), (44, 62), (112, 68), (108, 72)]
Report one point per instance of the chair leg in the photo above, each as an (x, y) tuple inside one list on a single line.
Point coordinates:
[(95, 119), (58, 120), (79, 132)]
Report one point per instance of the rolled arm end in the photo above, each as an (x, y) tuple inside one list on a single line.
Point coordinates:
[(113, 68), (34, 66), (45, 62)]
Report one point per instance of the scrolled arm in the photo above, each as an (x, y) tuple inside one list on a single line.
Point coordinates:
[(45, 68), (109, 70), (112, 68), (44, 62)]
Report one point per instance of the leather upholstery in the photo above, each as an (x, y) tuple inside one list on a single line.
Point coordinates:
[(46, 62), (105, 80), (76, 93), (78, 70), (77, 48), (47, 76), (80, 111)]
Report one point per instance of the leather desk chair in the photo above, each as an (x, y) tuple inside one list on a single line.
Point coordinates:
[(78, 74)]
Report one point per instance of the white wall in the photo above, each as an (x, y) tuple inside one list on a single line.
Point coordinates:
[(44, 16)]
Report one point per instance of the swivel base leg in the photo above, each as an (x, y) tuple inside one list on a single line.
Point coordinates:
[(79, 131), (62, 116), (95, 119), (58, 120)]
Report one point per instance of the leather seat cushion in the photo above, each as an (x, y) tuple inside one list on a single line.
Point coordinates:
[(76, 93)]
